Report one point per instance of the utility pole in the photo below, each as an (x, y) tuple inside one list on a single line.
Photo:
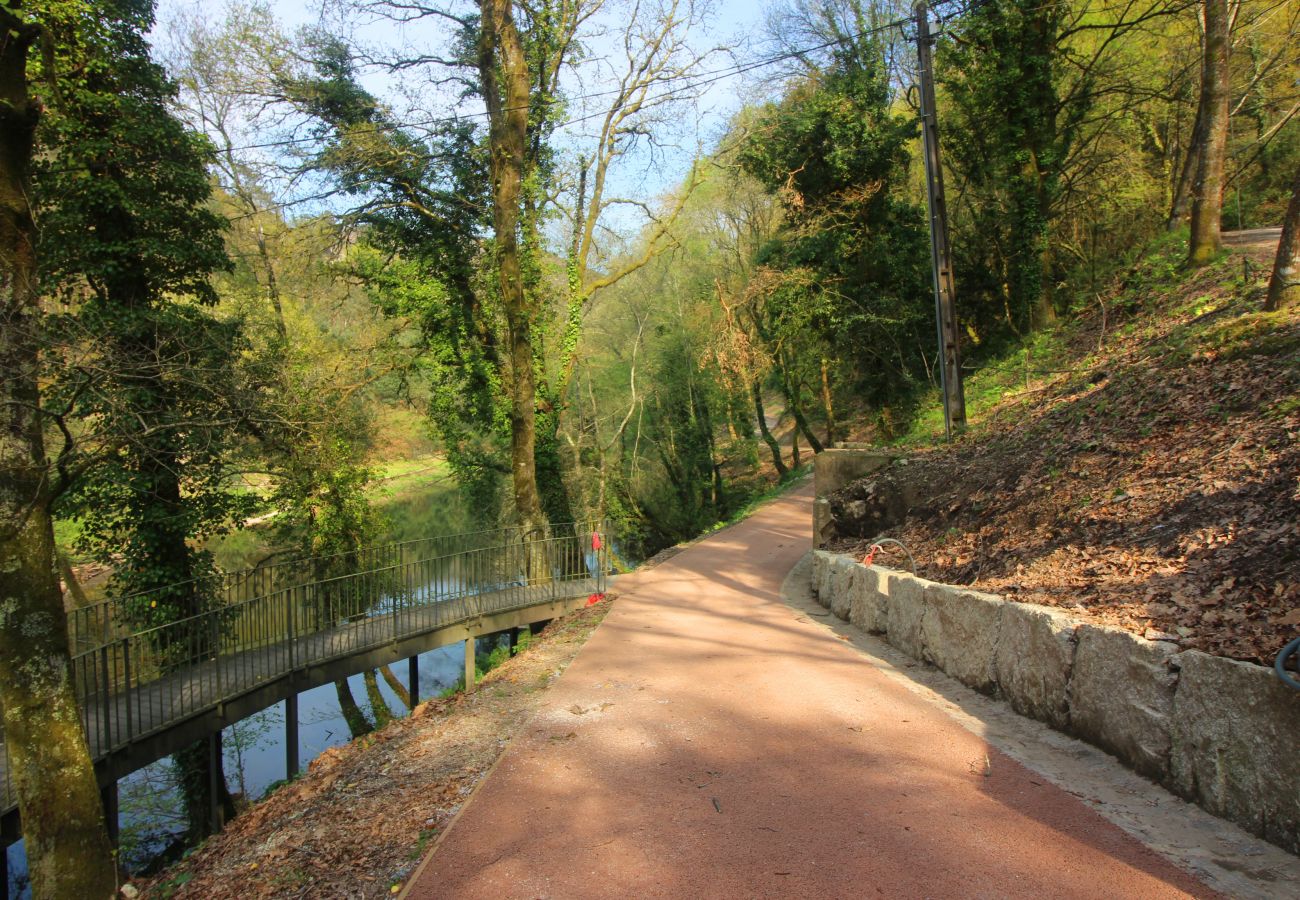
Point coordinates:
[(954, 398)]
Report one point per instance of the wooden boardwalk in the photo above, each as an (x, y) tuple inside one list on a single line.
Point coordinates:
[(156, 706)]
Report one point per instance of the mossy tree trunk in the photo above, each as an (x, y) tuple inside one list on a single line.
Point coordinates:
[(68, 851), (1207, 191)]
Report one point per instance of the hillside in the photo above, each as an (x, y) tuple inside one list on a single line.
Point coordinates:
[(1141, 467)]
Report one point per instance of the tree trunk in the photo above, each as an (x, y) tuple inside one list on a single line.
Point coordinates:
[(194, 768), (1183, 188), (795, 406), (378, 705), (1207, 192), (828, 402), (358, 724), (503, 74), (772, 445), (68, 851), (1284, 286)]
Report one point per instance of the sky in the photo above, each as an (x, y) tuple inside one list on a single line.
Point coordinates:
[(644, 176)]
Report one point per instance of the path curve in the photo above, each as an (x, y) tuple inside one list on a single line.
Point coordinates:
[(711, 741)]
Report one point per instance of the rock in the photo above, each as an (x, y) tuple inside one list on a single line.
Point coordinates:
[(869, 598), (1122, 697), (960, 634), (841, 574), (906, 610), (129, 891), (820, 569), (1035, 659), (1235, 734), (868, 508)]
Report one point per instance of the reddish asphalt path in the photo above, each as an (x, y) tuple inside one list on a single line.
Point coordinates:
[(709, 741)]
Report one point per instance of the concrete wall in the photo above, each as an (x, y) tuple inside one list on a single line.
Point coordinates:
[(833, 469), (1221, 733)]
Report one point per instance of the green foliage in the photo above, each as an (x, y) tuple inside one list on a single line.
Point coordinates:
[(127, 246), (1008, 136), (847, 273)]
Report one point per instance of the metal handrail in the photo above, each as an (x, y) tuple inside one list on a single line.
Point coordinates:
[(135, 682)]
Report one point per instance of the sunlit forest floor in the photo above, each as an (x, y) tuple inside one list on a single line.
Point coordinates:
[(1139, 467)]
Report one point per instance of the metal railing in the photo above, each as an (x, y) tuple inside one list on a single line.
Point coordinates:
[(256, 626)]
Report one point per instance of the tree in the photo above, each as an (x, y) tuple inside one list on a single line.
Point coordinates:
[(506, 88), (1284, 285), (1207, 189), (1011, 136), (128, 245), (67, 844), (845, 275)]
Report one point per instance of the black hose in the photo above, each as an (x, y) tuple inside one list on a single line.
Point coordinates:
[(1279, 665)]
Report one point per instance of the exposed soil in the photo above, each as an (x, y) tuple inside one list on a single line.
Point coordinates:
[(1153, 483), (358, 821)]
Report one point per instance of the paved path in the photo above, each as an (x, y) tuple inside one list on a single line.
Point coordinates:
[(708, 743), (1264, 238)]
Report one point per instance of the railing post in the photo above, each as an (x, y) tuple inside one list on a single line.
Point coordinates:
[(292, 596), (216, 653), (126, 676), (106, 736)]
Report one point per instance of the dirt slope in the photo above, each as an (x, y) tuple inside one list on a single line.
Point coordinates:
[(1151, 479)]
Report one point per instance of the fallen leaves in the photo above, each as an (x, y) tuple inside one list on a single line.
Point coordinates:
[(1165, 497)]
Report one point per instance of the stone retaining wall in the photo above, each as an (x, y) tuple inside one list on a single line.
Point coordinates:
[(1221, 733)]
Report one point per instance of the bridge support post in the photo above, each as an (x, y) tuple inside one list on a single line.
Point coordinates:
[(108, 796), (514, 641), (413, 680), (291, 736), (214, 781), (469, 665)]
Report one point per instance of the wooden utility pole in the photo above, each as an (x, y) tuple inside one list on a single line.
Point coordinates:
[(954, 398)]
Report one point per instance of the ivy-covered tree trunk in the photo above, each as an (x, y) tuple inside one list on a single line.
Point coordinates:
[(1207, 193), (554, 494), (1284, 286), (504, 77), (68, 851), (197, 776)]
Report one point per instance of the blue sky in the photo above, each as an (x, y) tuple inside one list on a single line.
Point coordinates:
[(642, 176)]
